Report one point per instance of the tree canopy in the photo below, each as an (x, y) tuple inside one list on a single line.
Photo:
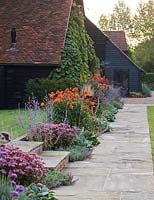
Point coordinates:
[(120, 19), (144, 54), (144, 21), (139, 26)]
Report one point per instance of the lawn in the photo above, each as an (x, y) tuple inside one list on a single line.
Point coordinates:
[(150, 110), (11, 121)]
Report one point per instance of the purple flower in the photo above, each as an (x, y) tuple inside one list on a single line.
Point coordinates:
[(40, 185), (3, 153), (14, 193), (13, 175), (13, 182), (2, 161), (31, 191), (20, 188)]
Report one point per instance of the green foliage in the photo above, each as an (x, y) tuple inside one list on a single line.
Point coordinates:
[(146, 90), (138, 27), (83, 140), (36, 192), (110, 115), (131, 52), (78, 57), (31, 192), (9, 122), (78, 153), (136, 94), (42, 86), (148, 78), (5, 187), (144, 55), (39, 87), (117, 105), (144, 20), (104, 22), (120, 19), (56, 179), (82, 145), (150, 110)]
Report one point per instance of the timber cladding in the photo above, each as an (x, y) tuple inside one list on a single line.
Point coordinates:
[(13, 80)]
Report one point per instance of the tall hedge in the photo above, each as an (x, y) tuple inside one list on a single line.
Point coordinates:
[(78, 58), (148, 78)]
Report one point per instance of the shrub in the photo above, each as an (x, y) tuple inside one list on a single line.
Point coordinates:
[(146, 90), (9, 190), (148, 79), (118, 104), (136, 94), (27, 166), (109, 115), (113, 95), (37, 192), (100, 86), (76, 108), (102, 125), (71, 106), (82, 141), (40, 87), (78, 153), (5, 187), (53, 135), (56, 179)]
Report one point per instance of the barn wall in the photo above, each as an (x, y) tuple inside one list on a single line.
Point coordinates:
[(2, 86), (117, 60), (98, 38), (15, 79)]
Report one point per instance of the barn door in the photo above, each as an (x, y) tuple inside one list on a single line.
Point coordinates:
[(121, 78), (2, 87)]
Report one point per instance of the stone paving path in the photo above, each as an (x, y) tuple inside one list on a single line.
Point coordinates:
[(120, 167), (148, 100)]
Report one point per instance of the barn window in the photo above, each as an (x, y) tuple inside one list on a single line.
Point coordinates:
[(13, 38)]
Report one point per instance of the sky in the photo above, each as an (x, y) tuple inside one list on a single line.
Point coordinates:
[(94, 8)]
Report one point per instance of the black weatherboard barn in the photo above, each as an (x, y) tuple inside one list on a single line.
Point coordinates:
[(118, 67), (32, 37)]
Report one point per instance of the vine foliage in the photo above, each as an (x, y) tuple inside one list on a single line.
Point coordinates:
[(79, 60)]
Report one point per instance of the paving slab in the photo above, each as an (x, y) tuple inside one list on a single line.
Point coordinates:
[(129, 182), (27, 146), (55, 159), (137, 196), (120, 168), (92, 196)]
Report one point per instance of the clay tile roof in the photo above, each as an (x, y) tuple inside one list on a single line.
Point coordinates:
[(118, 37), (41, 27)]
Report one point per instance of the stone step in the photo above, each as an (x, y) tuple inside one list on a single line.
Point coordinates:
[(28, 146), (55, 159)]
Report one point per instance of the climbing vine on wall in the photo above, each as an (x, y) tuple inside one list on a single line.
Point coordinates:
[(78, 58)]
